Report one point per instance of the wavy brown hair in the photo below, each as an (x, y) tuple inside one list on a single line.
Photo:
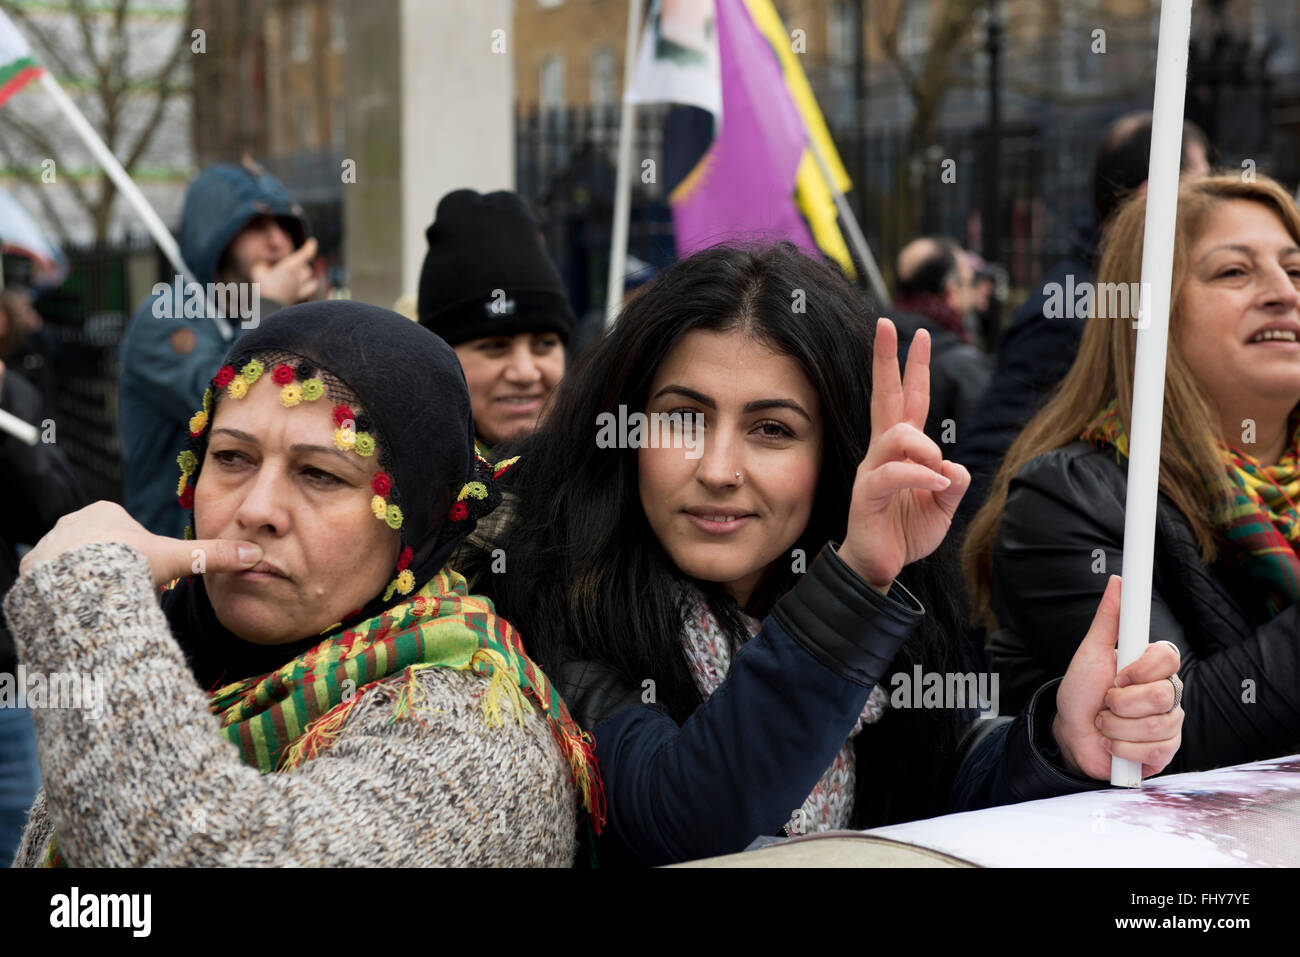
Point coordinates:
[(1191, 473)]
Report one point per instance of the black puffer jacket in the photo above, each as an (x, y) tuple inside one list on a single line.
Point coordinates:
[(959, 374), (37, 487), (1241, 670)]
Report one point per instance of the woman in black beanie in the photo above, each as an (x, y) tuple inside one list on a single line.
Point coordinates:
[(490, 290)]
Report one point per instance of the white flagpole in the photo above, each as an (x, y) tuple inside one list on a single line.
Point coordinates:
[(623, 183), (1152, 341), (162, 236), (126, 186)]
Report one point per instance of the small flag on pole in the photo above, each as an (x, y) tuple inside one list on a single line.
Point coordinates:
[(17, 65)]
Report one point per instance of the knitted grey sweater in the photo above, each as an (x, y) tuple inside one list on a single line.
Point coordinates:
[(152, 783)]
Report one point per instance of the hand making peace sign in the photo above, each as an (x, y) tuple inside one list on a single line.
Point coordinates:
[(905, 492)]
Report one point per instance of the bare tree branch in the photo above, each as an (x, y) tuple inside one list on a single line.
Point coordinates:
[(87, 38), (164, 79), (108, 69), (36, 136), (42, 196)]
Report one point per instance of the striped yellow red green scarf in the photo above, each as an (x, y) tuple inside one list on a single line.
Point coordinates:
[(281, 719), (1261, 521)]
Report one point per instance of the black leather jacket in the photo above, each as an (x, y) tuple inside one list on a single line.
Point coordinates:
[(752, 752), (1061, 537)]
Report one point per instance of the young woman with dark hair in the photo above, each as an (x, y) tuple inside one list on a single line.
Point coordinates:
[(730, 691)]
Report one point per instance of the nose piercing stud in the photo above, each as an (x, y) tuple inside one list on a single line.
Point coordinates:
[(737, 476)]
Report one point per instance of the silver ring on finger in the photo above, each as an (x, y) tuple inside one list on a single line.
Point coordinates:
[(1178, 691)]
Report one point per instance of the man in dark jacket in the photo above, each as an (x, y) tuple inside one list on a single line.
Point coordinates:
[(933, 288), (1037, 350), (243, 238), (37, 486)]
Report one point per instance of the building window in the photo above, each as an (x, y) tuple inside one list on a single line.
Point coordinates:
[(604, 79), (842, 35), (842, 27), (914, 31), (1279, 21), (1081, 69), (338, 121), (299, 47), (551, 91), (338, 28), (302, 138)]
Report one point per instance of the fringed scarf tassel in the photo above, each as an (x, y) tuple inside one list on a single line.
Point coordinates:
[(581, 752), (320, 734), (501, 683)]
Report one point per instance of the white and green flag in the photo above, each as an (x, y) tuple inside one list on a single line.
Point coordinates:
[(17, 65)]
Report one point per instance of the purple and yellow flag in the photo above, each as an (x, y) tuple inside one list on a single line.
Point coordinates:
[(758, 178)]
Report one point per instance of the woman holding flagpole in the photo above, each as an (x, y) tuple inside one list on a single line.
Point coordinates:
[(1227, 573), (725, 608)]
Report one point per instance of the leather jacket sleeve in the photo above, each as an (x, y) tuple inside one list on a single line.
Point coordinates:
[(748, 757), (1064, 517)]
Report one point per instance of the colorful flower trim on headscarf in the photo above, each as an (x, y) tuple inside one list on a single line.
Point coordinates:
[(298, 382)]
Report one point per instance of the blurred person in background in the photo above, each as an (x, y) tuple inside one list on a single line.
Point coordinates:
[(934, 292), (1037, 350), (489, 288), (238, 226), (38, 487), (988, 290)]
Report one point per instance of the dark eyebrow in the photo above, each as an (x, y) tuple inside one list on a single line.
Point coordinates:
[(300, 447), (691, 394), (761, 404), (757, 405)]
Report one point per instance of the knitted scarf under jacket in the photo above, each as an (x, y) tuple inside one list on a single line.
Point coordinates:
[(1260, 522), (830, 805)]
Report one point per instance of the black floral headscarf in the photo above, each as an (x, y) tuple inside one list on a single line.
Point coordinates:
[(398, 393)]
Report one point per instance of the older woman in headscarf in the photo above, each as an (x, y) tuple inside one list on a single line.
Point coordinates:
[(316, 686)]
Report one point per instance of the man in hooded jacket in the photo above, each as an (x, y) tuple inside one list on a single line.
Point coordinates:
[(243, 238)]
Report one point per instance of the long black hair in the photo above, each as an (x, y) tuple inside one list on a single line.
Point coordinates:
[(587, 577)]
